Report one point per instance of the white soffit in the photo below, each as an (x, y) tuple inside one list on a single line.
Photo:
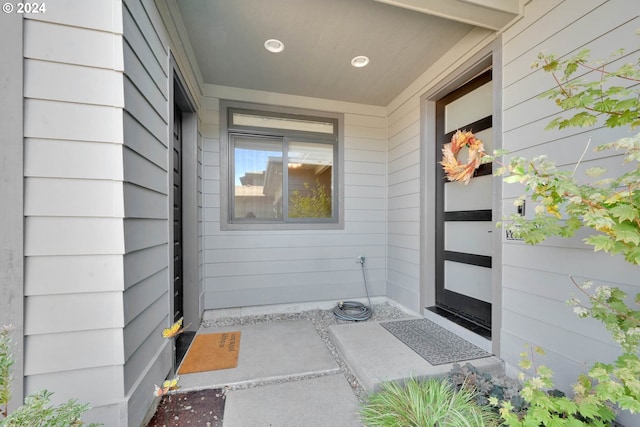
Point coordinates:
[(491, 14)]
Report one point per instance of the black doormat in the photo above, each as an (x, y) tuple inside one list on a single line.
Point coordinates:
[(434, 343)]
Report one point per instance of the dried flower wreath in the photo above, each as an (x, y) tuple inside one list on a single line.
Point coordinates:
[(453, 168)]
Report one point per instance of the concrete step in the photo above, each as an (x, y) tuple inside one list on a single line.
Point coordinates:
[(376, 356)]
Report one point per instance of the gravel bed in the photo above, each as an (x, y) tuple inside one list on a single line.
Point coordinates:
[(322, 320)]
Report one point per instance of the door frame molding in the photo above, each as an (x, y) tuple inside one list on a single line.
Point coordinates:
[(489, 57), (179, 94)]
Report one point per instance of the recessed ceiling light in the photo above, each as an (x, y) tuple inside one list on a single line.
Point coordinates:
[(273, 45), (360, 61)]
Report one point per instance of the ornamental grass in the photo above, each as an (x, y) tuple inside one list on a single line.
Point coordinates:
[(425, 403)]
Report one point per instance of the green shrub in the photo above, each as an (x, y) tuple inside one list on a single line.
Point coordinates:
[(430, 403), (487, 386), (315, 202), (610, 207)]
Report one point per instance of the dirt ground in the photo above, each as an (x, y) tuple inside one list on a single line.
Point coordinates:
[(194, 408)]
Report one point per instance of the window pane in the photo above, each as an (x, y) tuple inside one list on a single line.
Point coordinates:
[(310, 184), (269, 122), (257, 169)]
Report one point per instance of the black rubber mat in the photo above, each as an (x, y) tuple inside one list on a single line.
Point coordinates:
[(434, 343)]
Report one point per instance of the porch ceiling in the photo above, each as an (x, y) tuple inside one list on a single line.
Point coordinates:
[(322, 36)]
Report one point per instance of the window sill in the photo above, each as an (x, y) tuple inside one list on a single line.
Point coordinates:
[(270, 226)]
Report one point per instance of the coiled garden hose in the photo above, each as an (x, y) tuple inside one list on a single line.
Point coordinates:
[(355, 311)]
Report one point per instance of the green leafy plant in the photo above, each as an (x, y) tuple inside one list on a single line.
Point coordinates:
[(315, 203), (6, 363), (487, 386), (430, 403), (549, 407), (37, 410), (610, 207)]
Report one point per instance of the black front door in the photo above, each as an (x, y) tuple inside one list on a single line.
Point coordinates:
[(464, 220), (178, 279)]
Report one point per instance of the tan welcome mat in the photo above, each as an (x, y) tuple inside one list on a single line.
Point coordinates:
[(210, 352)]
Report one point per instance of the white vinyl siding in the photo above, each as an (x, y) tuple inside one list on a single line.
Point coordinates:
[(536, 278), (243, 268), (403, 204), (73, 205)]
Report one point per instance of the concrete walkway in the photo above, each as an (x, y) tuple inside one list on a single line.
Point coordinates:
[(286, 375), (376, 356)]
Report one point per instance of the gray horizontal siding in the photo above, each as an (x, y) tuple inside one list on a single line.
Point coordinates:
[(536, 279), (73, 204), (403, 205), (269, 267), (51, 158), (69, 44), (146, 205), (73, 274), (96, 205)]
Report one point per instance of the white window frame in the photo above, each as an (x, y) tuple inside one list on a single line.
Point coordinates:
[(227, 128)]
